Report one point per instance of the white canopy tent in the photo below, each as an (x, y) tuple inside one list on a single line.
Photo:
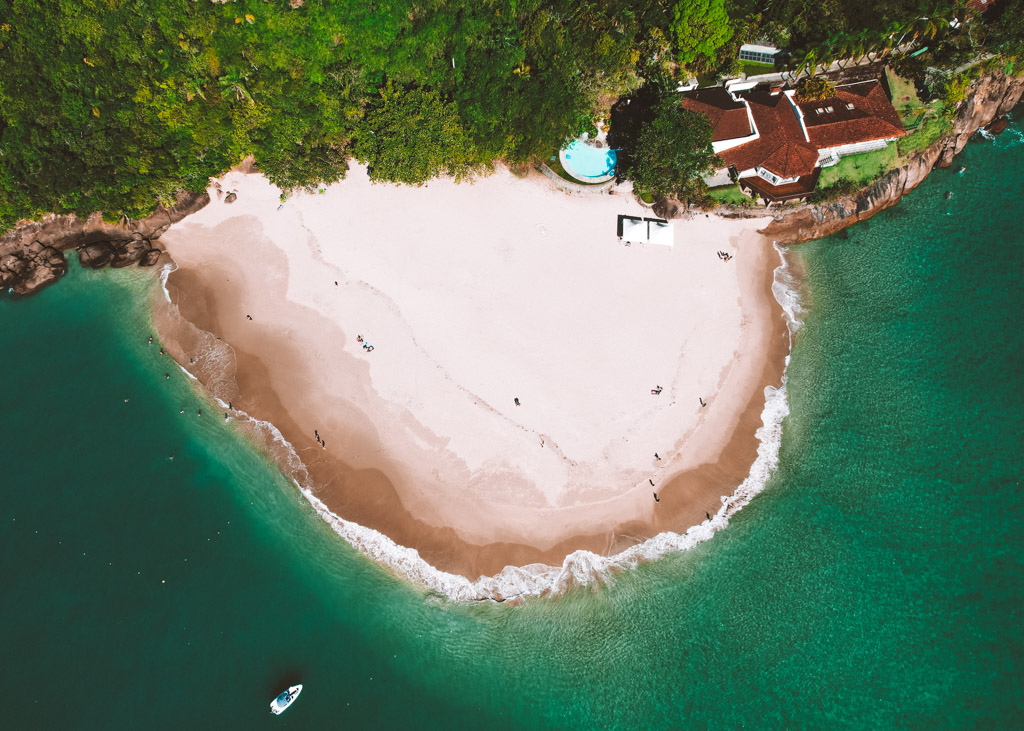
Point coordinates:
[(660, 232), (647, 231), (634, 231)]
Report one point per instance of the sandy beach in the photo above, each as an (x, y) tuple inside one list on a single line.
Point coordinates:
[(505, 413)]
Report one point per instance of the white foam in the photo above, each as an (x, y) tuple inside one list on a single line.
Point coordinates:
[(165, 272), (579, 568)]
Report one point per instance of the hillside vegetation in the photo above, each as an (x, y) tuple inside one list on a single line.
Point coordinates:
[(117, 105)]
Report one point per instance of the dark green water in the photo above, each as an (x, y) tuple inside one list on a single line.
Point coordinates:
[(876, 582)]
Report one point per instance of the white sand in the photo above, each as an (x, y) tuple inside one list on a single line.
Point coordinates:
[(473, 295)]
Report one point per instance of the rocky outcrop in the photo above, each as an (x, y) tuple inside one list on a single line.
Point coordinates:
[(987, 99), (31, 268), (31, 255)]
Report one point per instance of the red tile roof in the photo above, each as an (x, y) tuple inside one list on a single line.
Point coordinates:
[(859, 112), (728, 116), (781, 147), (790, 191)]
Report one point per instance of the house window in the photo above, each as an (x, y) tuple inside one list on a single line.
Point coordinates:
[(829, 109), (757, 56), (849, 105), (773, 178)]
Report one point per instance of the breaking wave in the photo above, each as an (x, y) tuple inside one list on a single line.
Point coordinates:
[(580, 568)]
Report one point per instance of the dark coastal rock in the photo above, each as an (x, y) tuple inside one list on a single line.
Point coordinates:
[(15, 265), (230, 197), (31, 258), (129, 251), (998, 126), (150, 257), (95, 256), (32, 268)]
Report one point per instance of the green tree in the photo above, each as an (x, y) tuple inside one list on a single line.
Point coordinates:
[(699, 28), (672, 152), (233, 84), (1008, 29), (814, 87), (414, 135)]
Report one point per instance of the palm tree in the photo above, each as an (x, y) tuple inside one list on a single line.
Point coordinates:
[(233, 82)]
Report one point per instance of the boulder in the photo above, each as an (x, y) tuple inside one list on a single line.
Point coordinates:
[(95, 256), (230, 197), (150, 257), (43, 265), (129, 251), (13, 264), (997, 126)]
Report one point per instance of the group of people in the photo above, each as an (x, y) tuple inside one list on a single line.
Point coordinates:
[(724, 255), (366, 346), (319, 441)]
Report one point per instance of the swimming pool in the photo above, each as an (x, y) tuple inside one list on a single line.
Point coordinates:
[(587, 163)]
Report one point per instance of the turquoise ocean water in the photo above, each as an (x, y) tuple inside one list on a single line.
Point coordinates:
[(876, 582)]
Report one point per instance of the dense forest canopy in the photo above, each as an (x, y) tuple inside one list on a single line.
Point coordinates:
[(116, 105)]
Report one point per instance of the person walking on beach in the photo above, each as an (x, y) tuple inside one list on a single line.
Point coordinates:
[(657, 457), (702, 404), (656, 498), (516, 399)]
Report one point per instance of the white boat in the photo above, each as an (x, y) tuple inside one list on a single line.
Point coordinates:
[(280, 704)]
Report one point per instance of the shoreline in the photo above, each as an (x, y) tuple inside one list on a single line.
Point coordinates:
[(513, 584), (367, 496)]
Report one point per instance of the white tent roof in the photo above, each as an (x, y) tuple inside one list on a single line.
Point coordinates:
[(660, 233), (635, 231)]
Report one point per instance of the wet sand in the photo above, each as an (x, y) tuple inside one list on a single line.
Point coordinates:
[(467, 481)]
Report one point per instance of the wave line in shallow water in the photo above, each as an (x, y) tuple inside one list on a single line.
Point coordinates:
[(579, 568)]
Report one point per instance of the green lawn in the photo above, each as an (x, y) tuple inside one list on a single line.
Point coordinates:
[(861, 169), (904, 95), (730, 195), (753, 68)]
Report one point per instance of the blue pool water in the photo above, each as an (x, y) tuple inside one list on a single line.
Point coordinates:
[(587, 162)]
